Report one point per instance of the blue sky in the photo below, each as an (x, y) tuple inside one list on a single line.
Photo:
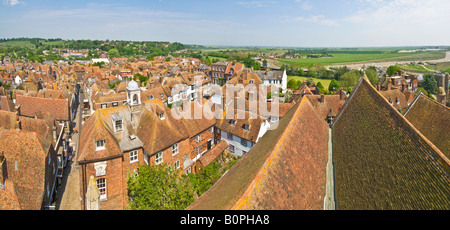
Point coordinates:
[(299, 23)]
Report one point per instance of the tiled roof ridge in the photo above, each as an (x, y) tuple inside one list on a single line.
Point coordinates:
[(421, 94), (414, 129), (106, 126), (243, 199), (348, 100)]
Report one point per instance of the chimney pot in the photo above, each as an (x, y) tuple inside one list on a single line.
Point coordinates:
[(322, 98)]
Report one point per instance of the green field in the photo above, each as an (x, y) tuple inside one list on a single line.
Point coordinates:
[(363, 56), (17, 44), (325, 82), (413, 68), (442, 67)]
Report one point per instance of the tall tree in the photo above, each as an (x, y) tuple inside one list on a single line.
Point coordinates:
[(372, 75), (391, 70), (159, 188), (429, 83), (350, 79), (334, 85)]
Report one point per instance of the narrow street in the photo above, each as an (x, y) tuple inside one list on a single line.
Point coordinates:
[(69, 191)]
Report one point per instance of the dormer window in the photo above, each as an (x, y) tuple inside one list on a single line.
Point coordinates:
[(100, 145), (117, 121), (118, 125), (246, 127), (161, 116), (252, 81), (397, 100), (232, 122), (151, 97)]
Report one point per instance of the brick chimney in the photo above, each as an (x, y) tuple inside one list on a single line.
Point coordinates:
[(3, 171), (322, 98)]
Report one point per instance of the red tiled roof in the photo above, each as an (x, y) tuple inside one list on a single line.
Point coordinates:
[(212, 154), (286, 169), (25, 186), (32, 106)]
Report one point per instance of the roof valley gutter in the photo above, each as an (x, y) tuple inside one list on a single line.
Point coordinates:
[(330, 194)]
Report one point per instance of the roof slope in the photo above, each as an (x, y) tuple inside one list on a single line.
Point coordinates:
[(25, 186), (433, 120), (95, 129), (381, 161), (32, 106), (286, 169)]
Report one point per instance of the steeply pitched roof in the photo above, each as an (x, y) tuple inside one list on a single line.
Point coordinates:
[(157, 134), (95, 129), (381, 161), (329, 107), (6, 104), (32, 106), (397, 98), (25, 186), (254, 124), (286, 169), (433, 120)]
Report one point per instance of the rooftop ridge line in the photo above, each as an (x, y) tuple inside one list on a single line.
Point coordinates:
[(429, 143), (243, 200)]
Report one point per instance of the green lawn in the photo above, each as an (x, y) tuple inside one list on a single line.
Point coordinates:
[(325, 82), (413, 68), (442, 67), (342, 58)]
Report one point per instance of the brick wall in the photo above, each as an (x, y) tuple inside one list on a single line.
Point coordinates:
[(117, 171)]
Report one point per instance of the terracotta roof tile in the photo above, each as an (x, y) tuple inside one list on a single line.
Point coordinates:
[(25, 150), (381, 161), (284, 170), (32, 106), (433, 120)]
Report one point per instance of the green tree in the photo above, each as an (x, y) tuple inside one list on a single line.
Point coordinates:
[(372, 75), (264, 63), (334, 85), (292, 84), (320, 87), (159, 188), (350, 79), (256, 66), (391, 70), (429, 83), (113, 53)]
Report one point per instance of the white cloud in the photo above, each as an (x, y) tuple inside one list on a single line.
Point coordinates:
[(304, 5), (316, 19), (407, 22), (257, 4), (11, 2)]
